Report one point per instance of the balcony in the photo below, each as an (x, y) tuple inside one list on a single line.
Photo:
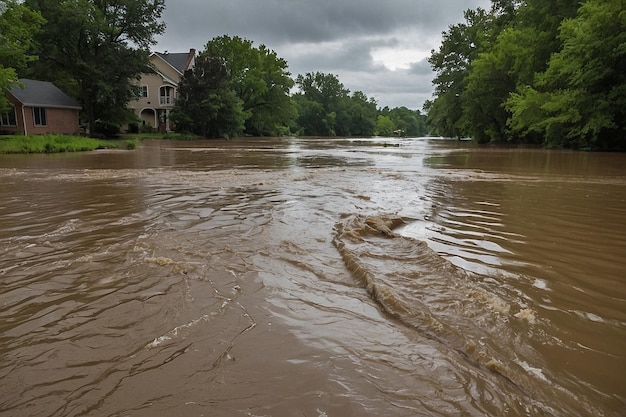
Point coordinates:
[(166, 100)]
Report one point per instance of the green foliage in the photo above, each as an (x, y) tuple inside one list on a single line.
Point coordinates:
[(579, 100), (326, 108), (52, 144), (96, 49), (131, 144), (259, 79), (18, 28), (537, 71), (384, 126), (461, 45), (361, 114), (406, 122), (206, 105)]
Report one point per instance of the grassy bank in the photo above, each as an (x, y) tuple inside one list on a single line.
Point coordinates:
[(58, 143)]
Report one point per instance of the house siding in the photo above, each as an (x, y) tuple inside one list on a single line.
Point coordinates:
[(59, 120), (152, 111)]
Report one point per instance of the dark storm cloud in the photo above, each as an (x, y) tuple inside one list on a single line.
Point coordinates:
[(373, 46), (310, 21)]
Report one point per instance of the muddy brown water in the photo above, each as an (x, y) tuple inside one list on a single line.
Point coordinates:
[(311, 277)]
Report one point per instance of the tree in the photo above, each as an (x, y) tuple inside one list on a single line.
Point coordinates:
[(206, 105), (18, 28), (98, 47), (409, 122), (526, 36), (460, 46), (259, 78), (362, 113), (323, 104), (384, 126), (579, 100)]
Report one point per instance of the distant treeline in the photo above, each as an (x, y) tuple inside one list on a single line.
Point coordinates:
[(546, 72), (236, 88)]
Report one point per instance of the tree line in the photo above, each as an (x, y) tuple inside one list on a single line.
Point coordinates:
[(96, 51), (237, 88), (549, 72)]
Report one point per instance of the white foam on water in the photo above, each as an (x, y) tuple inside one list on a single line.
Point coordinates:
[(176, 332), (532, 370)]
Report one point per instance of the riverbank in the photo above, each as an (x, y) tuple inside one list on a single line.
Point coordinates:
[(12, 144)]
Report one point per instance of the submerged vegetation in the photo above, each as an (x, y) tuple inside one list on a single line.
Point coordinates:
[(56, 144)]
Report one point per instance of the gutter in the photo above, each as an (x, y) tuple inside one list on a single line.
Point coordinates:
[(52, 106), (24, 121)]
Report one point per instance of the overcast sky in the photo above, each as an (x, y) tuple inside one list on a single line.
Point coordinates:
[(377, 47)]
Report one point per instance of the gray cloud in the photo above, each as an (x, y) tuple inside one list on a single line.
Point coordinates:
[(357, 40)]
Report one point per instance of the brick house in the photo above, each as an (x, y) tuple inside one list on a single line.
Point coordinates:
[(158, 90), (39, 108)]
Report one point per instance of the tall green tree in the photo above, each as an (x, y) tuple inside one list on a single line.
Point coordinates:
[(580, 100), (323, 97), (409, 122), (98, 47), (482, 62), (206, 105), (384, 126), (361, 113), (525, 38), (18, 27), (259, 78), (452, 62)]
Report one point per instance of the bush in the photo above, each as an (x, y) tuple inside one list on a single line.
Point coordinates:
[(146, 129), (131, 144)]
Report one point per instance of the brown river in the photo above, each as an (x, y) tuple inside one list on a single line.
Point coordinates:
[(313, 277)]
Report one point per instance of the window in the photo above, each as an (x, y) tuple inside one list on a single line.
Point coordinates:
[(143, 91), (166, 96), (8, 118), (39, 116)]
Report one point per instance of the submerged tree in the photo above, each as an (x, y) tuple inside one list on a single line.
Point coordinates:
[(98, 47)]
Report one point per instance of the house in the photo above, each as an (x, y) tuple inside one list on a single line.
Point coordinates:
[(39, 108), (158, 90)]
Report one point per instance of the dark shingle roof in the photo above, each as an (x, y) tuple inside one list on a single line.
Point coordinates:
[(42, 94), (178, 60)]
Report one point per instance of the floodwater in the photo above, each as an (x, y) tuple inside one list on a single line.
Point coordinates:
[(312, 277)]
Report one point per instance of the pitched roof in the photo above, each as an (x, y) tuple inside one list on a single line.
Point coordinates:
[(42, 94), (179, 60)]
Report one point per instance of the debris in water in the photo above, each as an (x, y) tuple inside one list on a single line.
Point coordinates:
[(526, 314), (161, 261)]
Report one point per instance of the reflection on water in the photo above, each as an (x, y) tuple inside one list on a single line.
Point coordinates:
[(313, 277)]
